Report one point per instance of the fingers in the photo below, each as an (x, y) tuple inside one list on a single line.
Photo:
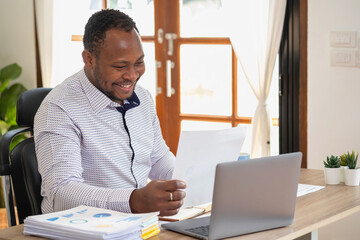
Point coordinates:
[(168, 212), (173, 204), (178, 184), (159, 195), (171, 208), (171, 185), (176, 195)]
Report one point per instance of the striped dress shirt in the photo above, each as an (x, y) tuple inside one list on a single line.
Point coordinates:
[(90, 153)]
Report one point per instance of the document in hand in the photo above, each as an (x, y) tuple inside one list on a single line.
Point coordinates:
[(198, 154), (86, 222)]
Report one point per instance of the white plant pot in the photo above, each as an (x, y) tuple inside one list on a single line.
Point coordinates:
[(332, 175), (352, 177), (342, 173)]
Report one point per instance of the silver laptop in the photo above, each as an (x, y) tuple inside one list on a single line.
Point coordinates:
[(249, 196)]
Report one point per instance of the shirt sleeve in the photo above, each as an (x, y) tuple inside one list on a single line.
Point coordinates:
[(58, 149), (163, 160)]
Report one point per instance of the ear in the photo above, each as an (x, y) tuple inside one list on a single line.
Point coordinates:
[(88, 59)]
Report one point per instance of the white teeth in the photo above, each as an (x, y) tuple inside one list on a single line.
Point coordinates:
[(126, 86)]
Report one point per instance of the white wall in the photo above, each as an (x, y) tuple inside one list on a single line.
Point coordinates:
[(333, 97), (333, 92), (17, 41)]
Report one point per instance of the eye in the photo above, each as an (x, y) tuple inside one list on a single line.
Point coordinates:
[(119, 67), (139, 63)]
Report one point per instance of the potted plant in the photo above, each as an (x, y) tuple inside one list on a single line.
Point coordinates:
[(8, 100), (351, 174), (343, 165), (332, 170)]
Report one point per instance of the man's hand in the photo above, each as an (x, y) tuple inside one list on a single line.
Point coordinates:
[(156, 196)]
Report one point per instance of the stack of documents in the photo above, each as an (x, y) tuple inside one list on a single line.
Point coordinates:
[(86, 222), (150, 228)]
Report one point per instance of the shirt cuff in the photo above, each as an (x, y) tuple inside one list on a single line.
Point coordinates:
[(163, 168), (120, 200)]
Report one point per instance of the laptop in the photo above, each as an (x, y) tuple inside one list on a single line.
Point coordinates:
[(249, 196)]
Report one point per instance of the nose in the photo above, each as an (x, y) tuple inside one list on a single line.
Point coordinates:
[(132, 74)]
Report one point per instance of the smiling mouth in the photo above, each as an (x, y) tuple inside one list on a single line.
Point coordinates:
[(126, 87)]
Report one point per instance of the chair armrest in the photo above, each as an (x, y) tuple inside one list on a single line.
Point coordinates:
[(5, 141)]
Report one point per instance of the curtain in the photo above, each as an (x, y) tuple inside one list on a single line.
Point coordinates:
[(255, 37), (44, 23)]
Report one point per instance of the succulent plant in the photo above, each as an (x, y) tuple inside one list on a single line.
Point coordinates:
[(332, 162), (351, 159), (342, 160)]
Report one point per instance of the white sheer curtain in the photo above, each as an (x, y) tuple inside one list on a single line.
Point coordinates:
[(255, 35), (44, 23)]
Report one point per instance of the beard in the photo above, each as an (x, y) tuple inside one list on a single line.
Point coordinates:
[(100, 82)]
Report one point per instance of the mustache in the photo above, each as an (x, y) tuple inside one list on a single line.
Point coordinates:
[(129, 81)]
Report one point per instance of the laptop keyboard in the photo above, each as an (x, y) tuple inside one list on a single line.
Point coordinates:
[(202, 230)]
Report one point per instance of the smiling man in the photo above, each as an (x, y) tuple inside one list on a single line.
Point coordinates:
[(97, 135)]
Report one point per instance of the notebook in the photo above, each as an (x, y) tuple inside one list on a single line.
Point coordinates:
[(249, 196)]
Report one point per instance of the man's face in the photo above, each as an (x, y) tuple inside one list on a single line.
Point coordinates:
[(118, 66)]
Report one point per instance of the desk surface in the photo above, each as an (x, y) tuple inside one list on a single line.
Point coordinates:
[(313, 211)]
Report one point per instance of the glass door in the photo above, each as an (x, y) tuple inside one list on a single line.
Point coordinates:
[(201, 84)]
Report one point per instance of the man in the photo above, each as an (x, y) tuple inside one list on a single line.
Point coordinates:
[(97, 135)]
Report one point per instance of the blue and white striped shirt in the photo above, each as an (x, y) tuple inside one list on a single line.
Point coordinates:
[(84, 151)]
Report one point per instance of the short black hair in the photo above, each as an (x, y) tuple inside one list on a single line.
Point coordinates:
[(100, 22)]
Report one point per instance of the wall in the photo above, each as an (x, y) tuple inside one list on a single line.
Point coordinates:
[(333, 92), (333, 97), (17, 41)]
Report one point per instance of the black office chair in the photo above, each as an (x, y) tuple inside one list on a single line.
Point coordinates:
[(19, 168)]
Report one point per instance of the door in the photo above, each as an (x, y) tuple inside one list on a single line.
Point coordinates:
[(197, 69), (201, 85)]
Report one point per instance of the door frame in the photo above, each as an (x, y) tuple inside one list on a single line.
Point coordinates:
[(293, 81)]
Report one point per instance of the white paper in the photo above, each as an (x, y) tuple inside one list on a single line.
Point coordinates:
[(85, 222), (198, 154), (304, 189)]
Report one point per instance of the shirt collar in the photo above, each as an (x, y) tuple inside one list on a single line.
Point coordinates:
[(98, 100), (129, 103)]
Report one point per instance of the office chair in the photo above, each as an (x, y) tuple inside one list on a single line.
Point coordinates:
[(19, 167)]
